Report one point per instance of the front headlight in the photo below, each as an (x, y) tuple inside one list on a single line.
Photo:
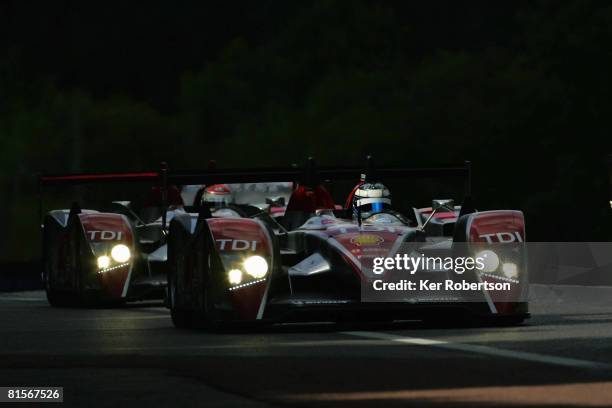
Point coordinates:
[(234, 276), (489, 259), (121, 253), (256, 266), (510, 270), (103, 262)]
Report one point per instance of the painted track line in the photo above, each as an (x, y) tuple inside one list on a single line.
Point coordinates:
[(486, 350)]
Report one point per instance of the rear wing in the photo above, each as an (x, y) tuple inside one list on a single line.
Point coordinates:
[(64, 180), (295, 174), (163, 177), (76, 179)]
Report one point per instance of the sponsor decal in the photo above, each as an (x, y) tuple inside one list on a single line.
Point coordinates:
[(367, 239), (502, 237), (236, 245), (105, 235)]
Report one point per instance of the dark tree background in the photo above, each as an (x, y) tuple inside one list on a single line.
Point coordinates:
[(523, 89)]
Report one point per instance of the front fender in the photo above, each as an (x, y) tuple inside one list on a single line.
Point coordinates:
[(102, 232), (234, 241), (499, 230)]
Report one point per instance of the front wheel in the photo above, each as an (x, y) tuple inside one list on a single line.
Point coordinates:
[(203, 317), (181, 317), (55, 297)]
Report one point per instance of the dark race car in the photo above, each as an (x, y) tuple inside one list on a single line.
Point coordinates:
[(117, 252), (108, 255), (314, 263)]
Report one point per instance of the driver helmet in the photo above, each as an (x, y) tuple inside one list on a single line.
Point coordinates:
[(217, 195), (371, 198)]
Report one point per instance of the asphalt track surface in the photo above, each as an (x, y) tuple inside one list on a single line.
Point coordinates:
[(133, 356)]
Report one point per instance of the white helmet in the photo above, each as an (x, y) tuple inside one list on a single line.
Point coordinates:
[(217, 195), (371, 198)]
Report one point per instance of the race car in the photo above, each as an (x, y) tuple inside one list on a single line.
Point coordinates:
[(315, 262), (93, 257), (119, 253)]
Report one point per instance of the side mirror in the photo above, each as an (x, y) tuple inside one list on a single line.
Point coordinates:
[(436, 206), (443, 205)]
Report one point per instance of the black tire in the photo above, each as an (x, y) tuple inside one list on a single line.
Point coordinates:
[(65, 297), (77, 298), (181, 317), (55, 297), (202, 317)]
